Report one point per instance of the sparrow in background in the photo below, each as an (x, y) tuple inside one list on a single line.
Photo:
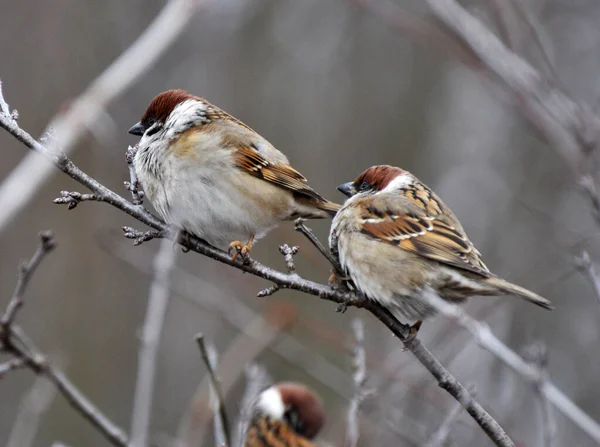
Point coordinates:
[(209, 174), (395, 238), (285, 415)]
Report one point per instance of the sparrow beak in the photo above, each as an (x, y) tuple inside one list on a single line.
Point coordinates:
[(347, 189), (137, 129)]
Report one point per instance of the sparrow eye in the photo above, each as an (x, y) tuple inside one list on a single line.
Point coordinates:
[(154, 127), (364, 186)]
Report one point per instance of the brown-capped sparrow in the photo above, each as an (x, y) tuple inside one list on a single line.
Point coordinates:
[(395, 238), (209, 174), (285, 415)]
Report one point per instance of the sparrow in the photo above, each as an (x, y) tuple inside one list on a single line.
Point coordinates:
[(209, 174), (285, 415), (395, 238)]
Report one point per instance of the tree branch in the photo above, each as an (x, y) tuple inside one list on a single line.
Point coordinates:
[(153, 323), (530, 372), (15, 342), (287, 281), (223, 435)]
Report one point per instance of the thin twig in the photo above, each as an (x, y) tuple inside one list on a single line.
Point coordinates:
[(359, 361), (257, 379), (155, 315), (11, 365), (585, 264), (444, 378), (21, 347), (26, 270), (14, 341), (308, 233), (537, 355), (223, 438), (133, 185), (19, 188), (288, 254), (531, 373), (73, 198)]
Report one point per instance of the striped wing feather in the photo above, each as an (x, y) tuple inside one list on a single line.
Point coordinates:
[(419, 222)]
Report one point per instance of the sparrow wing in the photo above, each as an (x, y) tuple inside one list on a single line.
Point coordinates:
[(254, 163), (416, 220)]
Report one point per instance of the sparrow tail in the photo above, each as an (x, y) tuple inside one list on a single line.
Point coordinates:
[(512, 289), (329, 207)]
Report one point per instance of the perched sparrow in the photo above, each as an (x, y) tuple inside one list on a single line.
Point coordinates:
[(285, 415), (395, 238), (209, 174)]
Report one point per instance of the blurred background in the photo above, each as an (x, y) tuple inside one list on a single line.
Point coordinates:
[(337, 89)]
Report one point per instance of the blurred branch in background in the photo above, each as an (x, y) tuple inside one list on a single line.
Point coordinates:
[(254, 338), (359, 361), (158, 300), (440, 436), (586, 265), (292, 281), (570, 126), (529, 371), (32, 408), (84, 112), (15, 342), (537, 354), (257, 380), (221, 421)]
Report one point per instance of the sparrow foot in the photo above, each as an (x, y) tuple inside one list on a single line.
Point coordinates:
[(412, 334), (242, 250), (184, 241), (338, 281)]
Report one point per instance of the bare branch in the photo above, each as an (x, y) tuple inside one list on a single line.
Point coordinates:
[(133, 185), (139, 237), (11, 365), (222, 436), (26, 270), (585, 264), (532, 373), (257, 379), (537, 355), (74, 198), (271, 290), (439, 437), (153, 324), (359, 361), (288, 254), (19, 345), (444, 378), (14, 341), (308, 233)]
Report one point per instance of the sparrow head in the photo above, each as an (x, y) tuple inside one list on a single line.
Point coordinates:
[(376, 179), (173, 112), (294, 404)]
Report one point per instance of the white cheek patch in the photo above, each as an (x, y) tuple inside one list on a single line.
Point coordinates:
[(401, 181), (270, 403), (188, 111)]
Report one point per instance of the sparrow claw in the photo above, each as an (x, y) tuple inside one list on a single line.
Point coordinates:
[(239, 249), (412, 334), (185, 242)]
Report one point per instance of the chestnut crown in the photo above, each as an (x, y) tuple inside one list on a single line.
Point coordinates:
[(159, 109), (374, 179), (294, 404)]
